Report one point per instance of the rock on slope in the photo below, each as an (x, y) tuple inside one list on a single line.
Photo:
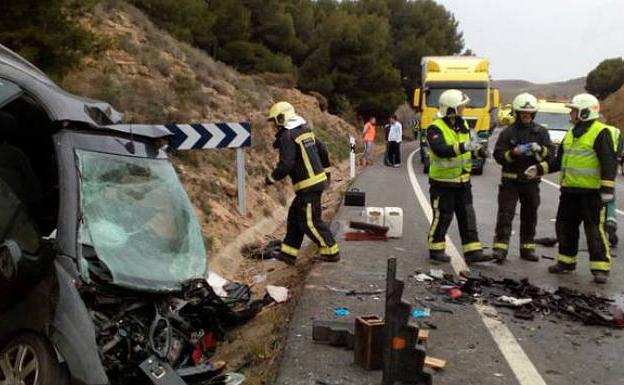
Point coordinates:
[(154, 78)]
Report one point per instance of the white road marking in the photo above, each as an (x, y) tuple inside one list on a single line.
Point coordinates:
[(518, 361), (555, 185)]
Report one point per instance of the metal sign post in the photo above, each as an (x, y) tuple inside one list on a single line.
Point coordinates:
[(240, 176), (352, 158), (201, 136)]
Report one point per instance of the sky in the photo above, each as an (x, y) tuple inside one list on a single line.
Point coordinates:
[(541, 40)]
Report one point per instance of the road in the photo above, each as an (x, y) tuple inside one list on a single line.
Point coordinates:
[(481, 346)]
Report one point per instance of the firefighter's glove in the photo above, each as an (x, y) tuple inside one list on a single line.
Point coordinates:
[(535, 148), (468, 146), (269, 181), (531, 172), (522, 149), (606, 197), (482, 152)]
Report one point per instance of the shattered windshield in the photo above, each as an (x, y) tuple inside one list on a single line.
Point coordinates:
[(139, 220)]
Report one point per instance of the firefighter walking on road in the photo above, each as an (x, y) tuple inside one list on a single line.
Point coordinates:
[(304, 158), (519, 146), (449, 177), (588, 166)]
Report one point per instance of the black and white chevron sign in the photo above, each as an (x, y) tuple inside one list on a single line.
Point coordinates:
[(199, 136)]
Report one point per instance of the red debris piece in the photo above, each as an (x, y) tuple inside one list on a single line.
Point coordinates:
[(207, 344), (455, 292)]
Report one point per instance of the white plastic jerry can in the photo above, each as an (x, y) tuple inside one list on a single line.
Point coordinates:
[(394, 221), (375, 215)]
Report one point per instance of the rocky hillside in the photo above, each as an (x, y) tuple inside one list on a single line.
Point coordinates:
[(559, 90), (153, 78), (613, 108)]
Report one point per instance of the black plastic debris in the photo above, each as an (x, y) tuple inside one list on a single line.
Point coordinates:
[(529, 301)]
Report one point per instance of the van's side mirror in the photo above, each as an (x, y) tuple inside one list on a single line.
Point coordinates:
[(10, 256)]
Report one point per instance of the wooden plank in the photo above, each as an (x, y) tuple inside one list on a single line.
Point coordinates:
[(423, 336), (435, 363)]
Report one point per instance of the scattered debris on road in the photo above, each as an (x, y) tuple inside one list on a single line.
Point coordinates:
[(342, 312), (526, 299), (367, 232), (391, 343)]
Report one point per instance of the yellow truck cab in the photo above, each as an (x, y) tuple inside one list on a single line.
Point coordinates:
[(465, 73)]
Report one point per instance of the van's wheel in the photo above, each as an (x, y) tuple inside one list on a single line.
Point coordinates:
[(29, 360)]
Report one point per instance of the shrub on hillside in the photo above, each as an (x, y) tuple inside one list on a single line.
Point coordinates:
[(606, 78), (47, 32)]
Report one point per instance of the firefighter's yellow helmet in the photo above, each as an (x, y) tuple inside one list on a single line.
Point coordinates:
[(281, 112)]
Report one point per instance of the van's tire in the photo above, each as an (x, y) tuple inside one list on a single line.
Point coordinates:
[(39, 364)]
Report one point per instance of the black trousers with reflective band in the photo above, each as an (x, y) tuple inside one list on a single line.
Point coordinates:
[(445, 202), (589, 209), (304, 218), (509, 193)]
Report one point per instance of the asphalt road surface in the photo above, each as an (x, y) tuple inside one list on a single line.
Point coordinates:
[(482, 344)]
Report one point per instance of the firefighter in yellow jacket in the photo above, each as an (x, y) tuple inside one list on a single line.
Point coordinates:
[(451, 155), (304, 158), (588, 165)]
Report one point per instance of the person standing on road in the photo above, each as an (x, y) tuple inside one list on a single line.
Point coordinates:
[(394, 142), (368, 137), (520, 145), (449, 179), (386, 128), (304, 158), (588, 166)]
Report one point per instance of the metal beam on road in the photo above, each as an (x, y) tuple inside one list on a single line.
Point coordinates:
[(526, 373)]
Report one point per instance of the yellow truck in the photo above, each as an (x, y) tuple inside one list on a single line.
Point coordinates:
[(468, 74)]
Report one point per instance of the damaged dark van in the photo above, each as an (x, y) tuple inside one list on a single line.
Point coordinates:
[(102, 261)]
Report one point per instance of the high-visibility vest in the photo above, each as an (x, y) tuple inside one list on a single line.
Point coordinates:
[(580, 167), (615, 136), (456, 169)]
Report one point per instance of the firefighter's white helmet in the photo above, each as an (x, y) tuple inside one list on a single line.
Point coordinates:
[(587, 105), (450, 101), (525, 102)]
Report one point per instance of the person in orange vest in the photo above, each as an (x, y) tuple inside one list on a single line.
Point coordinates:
[(368, 137)]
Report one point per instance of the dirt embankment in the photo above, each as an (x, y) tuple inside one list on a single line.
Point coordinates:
[(613, 108), (153, 78)]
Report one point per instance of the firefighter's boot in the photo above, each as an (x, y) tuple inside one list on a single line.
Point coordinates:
[(560, 268), (477, 256), (529, 255), (600, 276), (439, 256), (499, 256)]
